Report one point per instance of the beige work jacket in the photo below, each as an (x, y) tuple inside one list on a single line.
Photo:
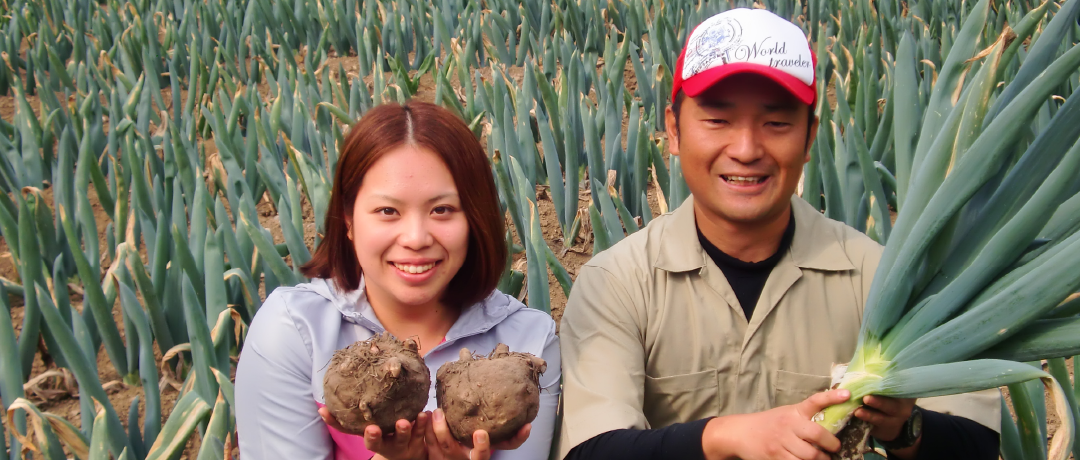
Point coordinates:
[(653, 334)]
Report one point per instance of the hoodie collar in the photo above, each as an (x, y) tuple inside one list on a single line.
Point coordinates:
[(474, 319)]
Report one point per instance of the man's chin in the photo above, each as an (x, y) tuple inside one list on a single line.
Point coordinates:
[(750, 215)]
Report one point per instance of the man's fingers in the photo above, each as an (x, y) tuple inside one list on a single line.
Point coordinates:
[(818, 436), (893, 407), (819, 401), (870, 416), (787, 455), (802, 450)]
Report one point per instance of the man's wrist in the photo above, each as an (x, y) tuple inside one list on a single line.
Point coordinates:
[(910, 433), (713, 441)]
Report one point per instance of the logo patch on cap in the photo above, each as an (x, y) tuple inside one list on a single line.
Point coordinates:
[(712, 44)]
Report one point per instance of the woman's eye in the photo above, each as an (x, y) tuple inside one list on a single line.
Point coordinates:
[(442, 210), (386, 211)]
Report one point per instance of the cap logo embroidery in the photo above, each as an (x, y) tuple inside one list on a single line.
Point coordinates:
[(713, 43)]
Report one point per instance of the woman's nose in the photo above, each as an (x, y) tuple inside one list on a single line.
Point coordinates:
[(416, 234)]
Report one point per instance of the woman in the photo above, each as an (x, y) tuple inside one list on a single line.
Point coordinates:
[(414, 246)]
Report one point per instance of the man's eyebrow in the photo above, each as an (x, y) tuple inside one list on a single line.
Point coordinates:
[(716, 104), (785, 106), (781, 107)]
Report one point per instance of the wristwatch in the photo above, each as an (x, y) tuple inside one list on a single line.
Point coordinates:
[(909, 433)]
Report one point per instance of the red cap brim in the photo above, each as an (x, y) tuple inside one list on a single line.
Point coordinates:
[(694, 86)]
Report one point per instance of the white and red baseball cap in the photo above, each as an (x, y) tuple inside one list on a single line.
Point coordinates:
[(746, 41)]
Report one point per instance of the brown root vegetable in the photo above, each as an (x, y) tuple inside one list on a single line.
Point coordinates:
[(376, 382), (498, 394)]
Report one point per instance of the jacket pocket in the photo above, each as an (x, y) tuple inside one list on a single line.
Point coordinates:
[(793, 388), (681, 398)]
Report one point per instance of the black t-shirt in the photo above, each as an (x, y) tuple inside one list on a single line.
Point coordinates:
[(747, 279)]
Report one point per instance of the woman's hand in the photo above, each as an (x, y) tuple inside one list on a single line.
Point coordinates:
[(442, 445), (406, 443)]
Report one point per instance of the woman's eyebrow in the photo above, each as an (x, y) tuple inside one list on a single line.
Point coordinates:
[(439, 197), (442, 196)]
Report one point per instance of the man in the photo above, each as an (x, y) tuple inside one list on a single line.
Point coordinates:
[(711, 333)]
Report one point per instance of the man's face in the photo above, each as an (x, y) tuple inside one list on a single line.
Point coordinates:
[(742, 146)]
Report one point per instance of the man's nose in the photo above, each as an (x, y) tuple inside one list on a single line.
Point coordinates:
[(743, 144)]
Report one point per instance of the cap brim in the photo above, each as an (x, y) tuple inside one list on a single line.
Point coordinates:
[(698, 84)]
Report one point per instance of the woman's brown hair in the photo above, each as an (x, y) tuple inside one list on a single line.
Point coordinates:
[(434, 128)]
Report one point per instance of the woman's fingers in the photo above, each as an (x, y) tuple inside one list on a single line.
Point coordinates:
[(418, 429), (442, 431), (329, 419), (481, 446), (519, 438), (373, 439), (402, 434)]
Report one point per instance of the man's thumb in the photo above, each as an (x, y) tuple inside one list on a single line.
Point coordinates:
[(819, 401)]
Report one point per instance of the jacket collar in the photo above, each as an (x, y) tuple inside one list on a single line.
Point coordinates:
[(475, 319), (816, 245)]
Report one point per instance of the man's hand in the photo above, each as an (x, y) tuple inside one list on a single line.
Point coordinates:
[(785, 432), (406, 443), (888, 416), (441, 445)]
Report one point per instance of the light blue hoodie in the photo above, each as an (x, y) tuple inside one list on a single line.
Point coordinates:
[(298, 329)]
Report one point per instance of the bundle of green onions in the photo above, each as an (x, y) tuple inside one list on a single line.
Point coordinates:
[(978, 258)]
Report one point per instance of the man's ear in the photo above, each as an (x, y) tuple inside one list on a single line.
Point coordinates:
[(811, 135), (671, 125)]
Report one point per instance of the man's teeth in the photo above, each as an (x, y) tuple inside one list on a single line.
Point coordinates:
[(743, 180)]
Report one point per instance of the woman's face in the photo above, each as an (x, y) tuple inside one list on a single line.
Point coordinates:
[(408, 229)]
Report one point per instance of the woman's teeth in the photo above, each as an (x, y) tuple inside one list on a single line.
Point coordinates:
[(414, 269), (743, 180)]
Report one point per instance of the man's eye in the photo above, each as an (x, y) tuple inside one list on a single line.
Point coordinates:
[(778, 124)]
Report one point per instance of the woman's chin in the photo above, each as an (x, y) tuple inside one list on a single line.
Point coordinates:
[(416, 297)]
